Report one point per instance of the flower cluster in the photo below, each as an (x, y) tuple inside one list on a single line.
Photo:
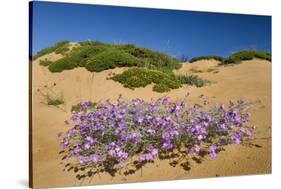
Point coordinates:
[(112, 134)]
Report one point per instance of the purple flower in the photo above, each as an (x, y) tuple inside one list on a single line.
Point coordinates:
[(148, 157), (142, 158), (196, 149), (64, 143), (165, 101), (139, 119), (212, 148), (83, 159), (151, 131), (236, 137), (94, 158), (76, 150), (112, 152), (213, 155), (122, 154), (84, 105), (111, 130), (167, 145), (90, 139), (75, 116), (154, 152), (87, 146), (200, 137)]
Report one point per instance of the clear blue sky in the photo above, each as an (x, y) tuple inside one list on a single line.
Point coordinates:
[(174, 32)]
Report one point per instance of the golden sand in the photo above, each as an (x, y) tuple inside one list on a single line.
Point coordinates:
[(250, 80)]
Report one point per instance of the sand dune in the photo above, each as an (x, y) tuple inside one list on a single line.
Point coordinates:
[(250, 80)]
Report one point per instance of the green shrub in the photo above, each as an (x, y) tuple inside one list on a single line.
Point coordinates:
[(62, 50), (192, 80), (110, 58), (45, 62), (92, 43), (218, 58), (161, 88), (149, 58), (59, 47), (77, 57), (83, 54), (141, 77), (237, 57), (98, 56), (62, 64)]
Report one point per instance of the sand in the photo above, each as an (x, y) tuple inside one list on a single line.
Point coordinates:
[(250, 80)]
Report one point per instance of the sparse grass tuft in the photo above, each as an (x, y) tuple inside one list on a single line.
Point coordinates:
[(54, 102), (192, 80)]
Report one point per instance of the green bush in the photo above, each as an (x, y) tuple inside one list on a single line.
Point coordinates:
[(92, 43), (151, 58), (141, 77), (62, 50), (58, 48), (237, 57), (62, 64), (110, 58), (192, 80), (98, 56), (45, 62), (77, 57), (194, 59), (161, 88)]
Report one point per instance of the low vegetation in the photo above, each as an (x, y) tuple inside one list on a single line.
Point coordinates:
[(237, 57), (113, 57), (45, 62), (96, 56), (193, 80), (59, 48), (80, 106), (121, 138), (54, 102), (218, 58), (141, 77), (163, 82)]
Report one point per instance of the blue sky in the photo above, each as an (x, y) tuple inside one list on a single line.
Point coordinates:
[(170, 31)]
